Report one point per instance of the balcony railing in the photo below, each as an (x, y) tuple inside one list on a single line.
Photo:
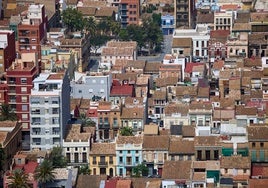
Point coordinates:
[(102, 163)]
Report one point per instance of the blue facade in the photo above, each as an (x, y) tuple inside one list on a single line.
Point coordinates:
[(127, 158), (213, 4), (167, 24)]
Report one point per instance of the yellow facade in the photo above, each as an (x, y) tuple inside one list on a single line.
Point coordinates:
[(102, 164)]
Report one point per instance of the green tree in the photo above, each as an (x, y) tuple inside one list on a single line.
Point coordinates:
[(7, 113), (103, 27), (140, 170), (58, 160), (86, 121), (18, 179), (126, 131), (97, 41), (73, 19), (44, 173), (84, 170), (2, 158), (90, 25), (157, 18)]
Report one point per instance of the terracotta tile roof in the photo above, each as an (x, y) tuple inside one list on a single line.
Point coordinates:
[(200, 106), (241, 27), (251, 62), (155, 143), (92, 3), (142, 80), (257, 133), (217, 65), (243, 110), (164, 132), (164, 82), (188, 131), (123, 90), (104, 106), (219, 36), (181, 42), (199, 176), (151, 129), (85, 103), (87, 11), (123, 184), (258, 183), (132, 113), (159, 95), (90, 181), (229, 7), (208, 165), (173, 170), (235, 162), (199, 68), (138, 64), (189, 66), (180, 146), (129, 140), (102, 149), (114, 51), (186, 90), (257, 38), (207, 141), (256, 94), (152, 67), (205, 18), (181, 108), (130, 77), (259, 17), (223, 114), (203, 92), (105, 12), (133, 101), (75, 133), (153, 183), (122, 44)]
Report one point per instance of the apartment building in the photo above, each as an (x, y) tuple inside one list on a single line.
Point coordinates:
[(7, 49), (49, 110), (77, 143), (223, 20), (91, 85), (32, 30), (128, 154), (129, 12), (19, 84), (184, 13), (102, 159)]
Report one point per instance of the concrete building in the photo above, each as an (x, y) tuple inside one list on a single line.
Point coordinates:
[(32, 30), (129, 12), (77, 143), (50, 110), (184, 13), (19, 81), (91, 85), (167, 24), (7, 49), (200, 37), (223, 20)]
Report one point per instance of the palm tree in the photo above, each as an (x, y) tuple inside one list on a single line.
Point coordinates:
[(18, 179), (90, 25), (44, 173), (7, 113)]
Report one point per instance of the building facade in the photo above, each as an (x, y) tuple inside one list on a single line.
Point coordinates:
[(129, 12), (49, 110)]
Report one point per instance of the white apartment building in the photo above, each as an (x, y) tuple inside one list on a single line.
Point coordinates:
[(76, 144), (49, 110), (88, 85), (200, 37)]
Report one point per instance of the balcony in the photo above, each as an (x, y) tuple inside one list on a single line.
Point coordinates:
[(102, 163)]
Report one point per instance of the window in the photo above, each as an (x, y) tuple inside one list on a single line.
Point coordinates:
[(111, 160), (24, 116), (244, 171), (24, 107), (253, 144), (76, 149), (23, 80), (55, 111), (137, 159), (261, 144), (84, 148), (199, 155), (79, 91), (207, 154), (94, 81), (120, 159), (23, 89), (226, 170), (94, 160), (24, 99), (216, 154), (68, 149)]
